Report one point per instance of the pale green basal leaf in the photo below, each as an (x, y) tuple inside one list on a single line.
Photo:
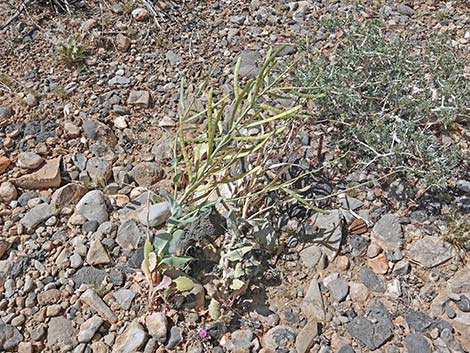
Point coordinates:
[(183, 283), (175, 261), (238, 254), (236, 284), (214, 309)]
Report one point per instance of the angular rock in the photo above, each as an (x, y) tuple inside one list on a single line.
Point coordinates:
[(306, 337), (98, 131), (175, 338), (99, 170), (155, 215), (89, 328), (339, 289), (93, 206), (68, 195), (133, 338), (124, 297), (46, 177), (375, 329), (312, 305), (140, 99), (37, 215), (90, 298), (431, 251), (29, 160), (97, 254), (146, 173), (417, 320), (387, 233), (371, 280), (10, 337), (250, 63), (8, 192), (416, 343), (129, 236), (279, 338), (329, 231), (60, 332), (89, 275), (460, 282), (157, 326), (310, 256)]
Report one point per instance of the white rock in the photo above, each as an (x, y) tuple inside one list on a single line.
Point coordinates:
[(93, 206), (131, 339)]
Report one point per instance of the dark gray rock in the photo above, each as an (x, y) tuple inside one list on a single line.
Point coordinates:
[(416, 343), (36, 215), (370, 279), (358, 245), (19, 266), (135, 260), (10, 337), (375, 329), (405, 10), (175, 338), (89, 275), (463, 303), (387, 233), (206, 228), (417, 320), (463, 186)]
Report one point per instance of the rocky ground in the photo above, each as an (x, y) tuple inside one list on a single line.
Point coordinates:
[(81, 148)]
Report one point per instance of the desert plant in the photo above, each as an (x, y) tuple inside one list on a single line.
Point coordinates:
[(71, 52), (227, 164), (458, 232), (393, 100)]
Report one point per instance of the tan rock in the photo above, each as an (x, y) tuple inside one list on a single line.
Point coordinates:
[(90, 298), (97, 254), (7, 192), (379, 264), (46, 177), (306, 337), (122, 42)]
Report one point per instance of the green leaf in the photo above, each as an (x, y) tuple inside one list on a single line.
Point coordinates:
[(238, 254), (160, 243), (183, 283), (175, 261), (214, 309)]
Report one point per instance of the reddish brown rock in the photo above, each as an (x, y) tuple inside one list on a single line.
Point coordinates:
[(68, 195), (4, 164)]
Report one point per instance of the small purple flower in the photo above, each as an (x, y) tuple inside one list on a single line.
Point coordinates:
[(202, 333)]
